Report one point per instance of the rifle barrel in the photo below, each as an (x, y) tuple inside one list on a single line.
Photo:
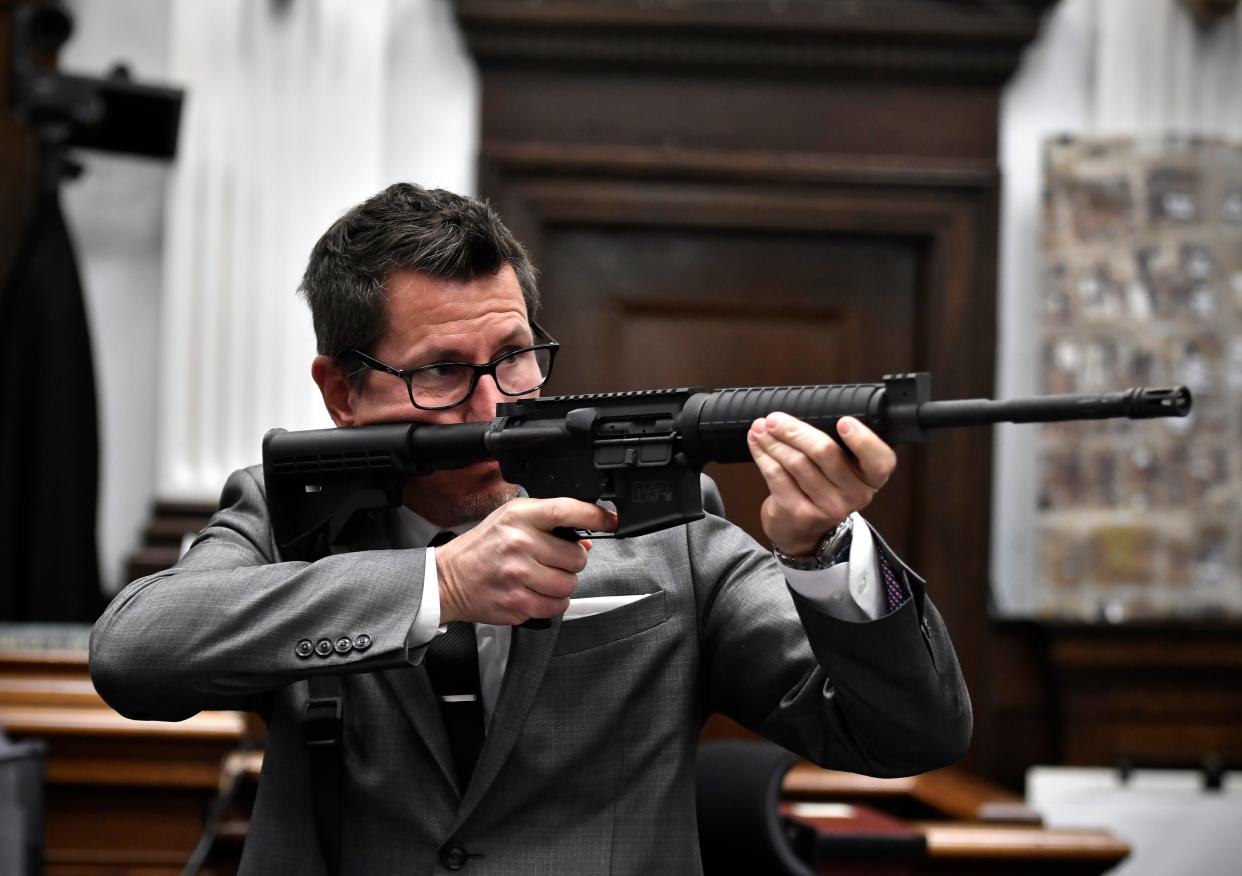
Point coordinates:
[(1137, 404)]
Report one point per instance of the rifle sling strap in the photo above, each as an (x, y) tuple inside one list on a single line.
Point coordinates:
[(323, 732)]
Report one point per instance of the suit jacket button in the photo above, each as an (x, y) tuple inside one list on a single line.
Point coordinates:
[(453, 856), (304, 648), (344, 645), (323, 647), (361, 642)]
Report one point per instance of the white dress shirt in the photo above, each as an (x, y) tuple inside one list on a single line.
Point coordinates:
[(851, 591)]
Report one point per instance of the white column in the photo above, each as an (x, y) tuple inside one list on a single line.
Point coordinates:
[(1157, 72), (295, 112), (282, 132), (115, 213)]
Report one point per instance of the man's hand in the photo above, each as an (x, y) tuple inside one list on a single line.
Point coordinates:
[(511, 567), (813, 484)]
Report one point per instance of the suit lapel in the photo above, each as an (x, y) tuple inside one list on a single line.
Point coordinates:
[(409, 685), (528, 661), (412, 690), (529, 652)]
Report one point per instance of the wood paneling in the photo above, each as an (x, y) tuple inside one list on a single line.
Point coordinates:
[(755, 193), (712, 302), (1160, 696)]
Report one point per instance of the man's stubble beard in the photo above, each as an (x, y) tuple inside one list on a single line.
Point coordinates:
[(476, 507), (446, 507)]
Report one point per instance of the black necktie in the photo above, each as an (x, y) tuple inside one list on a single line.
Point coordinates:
[(453, 665)]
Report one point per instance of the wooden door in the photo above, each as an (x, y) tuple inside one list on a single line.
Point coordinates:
[(758, 193), (708, 306)]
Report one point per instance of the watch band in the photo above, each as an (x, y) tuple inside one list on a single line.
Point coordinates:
[(832, 550)]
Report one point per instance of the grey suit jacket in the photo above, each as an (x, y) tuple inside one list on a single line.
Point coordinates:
[(588, 764)]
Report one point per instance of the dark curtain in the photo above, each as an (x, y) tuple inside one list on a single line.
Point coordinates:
[(49, 445)]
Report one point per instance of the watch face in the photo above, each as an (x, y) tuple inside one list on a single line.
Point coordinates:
[(833, 549), (841, 550), (839, 540)]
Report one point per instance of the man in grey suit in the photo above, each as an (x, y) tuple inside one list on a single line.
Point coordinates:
[(423, 306)]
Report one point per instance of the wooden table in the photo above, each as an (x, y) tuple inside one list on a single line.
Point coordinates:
[(968, 826), (121, 796)]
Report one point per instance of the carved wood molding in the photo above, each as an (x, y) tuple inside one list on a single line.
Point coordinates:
[(943, 217), (933, 38), (673, 161), (1168, 647)]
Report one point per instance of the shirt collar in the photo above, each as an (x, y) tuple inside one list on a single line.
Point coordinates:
[(415, 531)]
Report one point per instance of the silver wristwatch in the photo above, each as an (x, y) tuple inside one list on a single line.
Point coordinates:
[(832, 550)]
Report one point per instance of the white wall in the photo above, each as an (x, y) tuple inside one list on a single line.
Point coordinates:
[(1049, 95), (433, 105), (117, 213)]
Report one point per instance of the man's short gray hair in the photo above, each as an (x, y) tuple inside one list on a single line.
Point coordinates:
[(403, 228)]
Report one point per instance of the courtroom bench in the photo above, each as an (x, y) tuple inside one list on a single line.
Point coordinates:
[(120, 796)]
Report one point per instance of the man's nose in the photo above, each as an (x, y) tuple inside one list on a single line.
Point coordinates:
[(482, 404)]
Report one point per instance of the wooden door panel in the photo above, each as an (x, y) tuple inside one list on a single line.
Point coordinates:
[(641, 308)]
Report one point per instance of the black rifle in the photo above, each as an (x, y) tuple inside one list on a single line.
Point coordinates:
[(641, 450)]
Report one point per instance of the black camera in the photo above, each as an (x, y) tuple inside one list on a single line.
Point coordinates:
[(112, 113)]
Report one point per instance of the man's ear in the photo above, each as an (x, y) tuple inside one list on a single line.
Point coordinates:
[(335, 389)]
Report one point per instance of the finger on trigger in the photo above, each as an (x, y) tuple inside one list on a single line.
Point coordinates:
[(569, 513)]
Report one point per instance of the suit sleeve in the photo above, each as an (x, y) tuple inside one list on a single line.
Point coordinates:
[(883, 698), (224, 626)]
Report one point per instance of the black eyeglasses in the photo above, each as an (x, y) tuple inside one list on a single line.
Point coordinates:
[(444, 385)]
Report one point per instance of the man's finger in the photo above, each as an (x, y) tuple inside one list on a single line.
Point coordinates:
[(548, 514), (553, 584), (784, 489), (536, 605), (832, 483), (808, 497), (816, 444), (817, 479), (558, 553), (874, 460)]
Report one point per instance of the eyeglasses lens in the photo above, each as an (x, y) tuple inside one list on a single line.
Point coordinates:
[(519, 372)]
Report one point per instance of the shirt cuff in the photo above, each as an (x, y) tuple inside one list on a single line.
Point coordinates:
[(427, 621), (850, 591)]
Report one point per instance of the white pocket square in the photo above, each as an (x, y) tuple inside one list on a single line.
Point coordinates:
[(585, 606)]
